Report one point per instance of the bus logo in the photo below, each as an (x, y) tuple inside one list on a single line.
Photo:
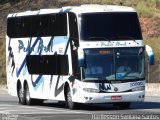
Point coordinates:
[(103, 87)]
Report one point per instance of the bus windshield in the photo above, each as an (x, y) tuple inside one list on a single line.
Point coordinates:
[(110, 26), (114, 64)]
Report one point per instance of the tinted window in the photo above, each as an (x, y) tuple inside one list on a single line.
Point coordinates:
[(14, 25), (26, 31), (35, 26), (112, 26), (48, 64), (40, 25), (61, 24)]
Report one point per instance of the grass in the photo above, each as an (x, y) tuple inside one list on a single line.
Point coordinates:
[(148, 7)]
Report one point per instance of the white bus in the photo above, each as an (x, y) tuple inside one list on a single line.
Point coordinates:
[(73, 54)]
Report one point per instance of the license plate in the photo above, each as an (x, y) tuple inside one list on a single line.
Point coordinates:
[(116, 97)]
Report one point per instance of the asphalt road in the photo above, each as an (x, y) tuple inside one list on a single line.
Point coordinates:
[(10, 109)]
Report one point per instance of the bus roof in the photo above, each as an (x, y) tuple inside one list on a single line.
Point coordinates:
[(87, 8)]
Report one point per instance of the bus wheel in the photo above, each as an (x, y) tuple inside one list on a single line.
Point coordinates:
[(21, 95), (29, 100), (69, 103)]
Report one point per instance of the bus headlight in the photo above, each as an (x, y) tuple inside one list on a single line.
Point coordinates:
[(91, 90), (141, 88)]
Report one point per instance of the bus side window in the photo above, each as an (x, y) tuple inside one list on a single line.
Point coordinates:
[(37, 25), (47, 64), (35, 31), (14, 27), (61, 25), (73, 26), (25, 26), (44, 24), (10, 26), (52, 24)]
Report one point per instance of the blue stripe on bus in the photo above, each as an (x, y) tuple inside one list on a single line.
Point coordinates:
[(38, 82), (59, 40)]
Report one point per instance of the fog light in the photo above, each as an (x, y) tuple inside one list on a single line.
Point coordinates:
[(90, 98), (86, 98)]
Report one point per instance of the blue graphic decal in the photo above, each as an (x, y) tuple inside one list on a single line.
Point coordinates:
[(18, 71), (25, 70), (38, 82), (22, 47), (41, 47), (57, 40), (11, 55), (60, 89), (102, 87), (40, 78)]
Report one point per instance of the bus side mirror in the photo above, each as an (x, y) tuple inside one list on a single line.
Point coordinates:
[(150, 54), (81, 62)]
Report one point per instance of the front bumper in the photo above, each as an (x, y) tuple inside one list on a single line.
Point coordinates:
[(137, 96)]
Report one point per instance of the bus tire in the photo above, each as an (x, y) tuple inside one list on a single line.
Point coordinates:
[(69, 103), (21, 95), (29, 100)]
